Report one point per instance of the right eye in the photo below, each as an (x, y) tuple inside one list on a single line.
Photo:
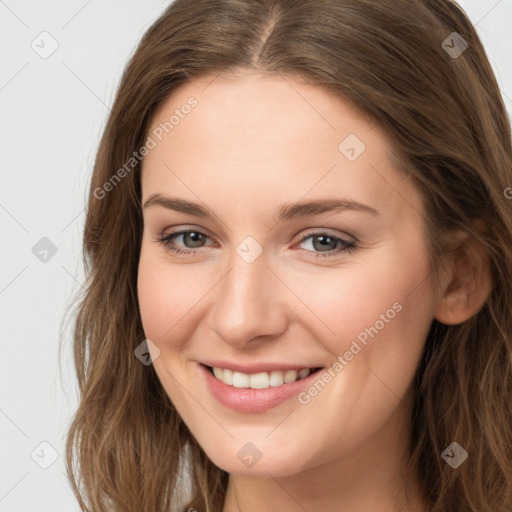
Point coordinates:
[(193, 236)]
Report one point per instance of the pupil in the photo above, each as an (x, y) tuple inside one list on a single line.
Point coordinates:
[(324, 238), (196, 237)]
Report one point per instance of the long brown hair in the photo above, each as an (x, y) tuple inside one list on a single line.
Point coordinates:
[(127, 447)]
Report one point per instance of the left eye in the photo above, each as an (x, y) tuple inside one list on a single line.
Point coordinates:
[(326, 241), (334, 245)]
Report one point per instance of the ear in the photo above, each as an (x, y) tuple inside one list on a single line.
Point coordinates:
[(468, 283)]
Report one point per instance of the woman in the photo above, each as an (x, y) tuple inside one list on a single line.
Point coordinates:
[(299, 269)]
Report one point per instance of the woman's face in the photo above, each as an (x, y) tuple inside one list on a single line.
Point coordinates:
[(273, 279)]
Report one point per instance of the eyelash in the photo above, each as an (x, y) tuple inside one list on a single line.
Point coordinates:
[(349, 245)]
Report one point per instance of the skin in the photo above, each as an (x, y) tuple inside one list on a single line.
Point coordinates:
[(252, 143)]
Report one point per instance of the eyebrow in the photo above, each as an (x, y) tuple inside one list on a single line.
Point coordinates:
[(286, 211)]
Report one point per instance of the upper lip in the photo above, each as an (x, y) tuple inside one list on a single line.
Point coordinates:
[(257, 367)]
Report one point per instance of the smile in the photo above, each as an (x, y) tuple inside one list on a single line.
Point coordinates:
[(260, 380), (258, 391)]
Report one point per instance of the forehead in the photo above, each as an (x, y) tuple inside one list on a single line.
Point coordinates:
[(268, 136), (263, 106)]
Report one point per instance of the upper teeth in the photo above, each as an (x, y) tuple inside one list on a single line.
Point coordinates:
[(259, 380)]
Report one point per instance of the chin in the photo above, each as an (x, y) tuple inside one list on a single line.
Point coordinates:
[(262, 469), (244, 458)]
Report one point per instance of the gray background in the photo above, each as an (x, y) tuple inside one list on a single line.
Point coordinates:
[(52, 111)]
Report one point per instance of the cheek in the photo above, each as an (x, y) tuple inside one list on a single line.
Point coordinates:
[(155, 295), (165, 301), (382, 311), (166, 295)]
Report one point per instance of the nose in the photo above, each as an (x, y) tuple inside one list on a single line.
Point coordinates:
[(249, 303)]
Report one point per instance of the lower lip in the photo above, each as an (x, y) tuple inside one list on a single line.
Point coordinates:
[(253, 400)]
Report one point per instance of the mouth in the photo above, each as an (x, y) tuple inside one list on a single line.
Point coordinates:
[(260, 380), (256, 392)]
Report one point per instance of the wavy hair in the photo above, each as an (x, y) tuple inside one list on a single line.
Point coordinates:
[(127, 448)]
